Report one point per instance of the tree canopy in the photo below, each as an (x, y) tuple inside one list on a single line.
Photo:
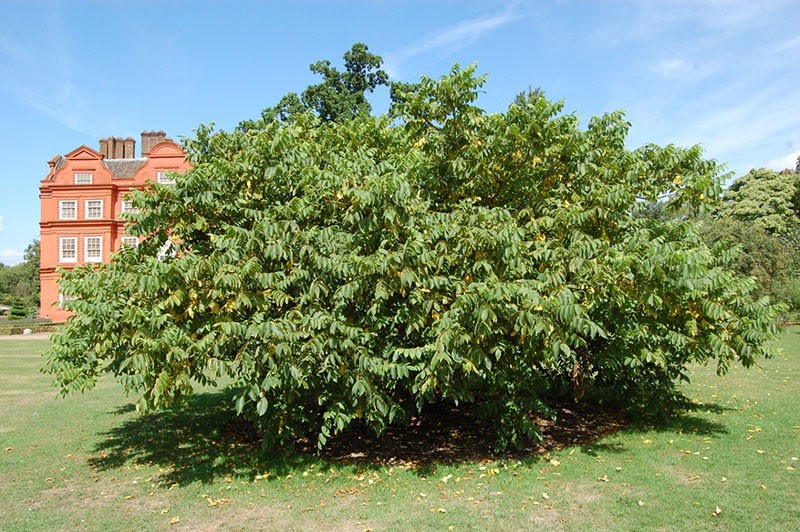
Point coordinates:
[(357, 270), (758, 215), (340, 96), (764, 198), (19, 285)]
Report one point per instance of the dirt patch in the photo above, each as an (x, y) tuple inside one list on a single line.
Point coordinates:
[(269, 517), (446, 434)]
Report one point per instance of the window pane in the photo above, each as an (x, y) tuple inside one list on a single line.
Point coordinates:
[(93, 251), (127, 206), (67, 210), (94, 209), (163, 177), (68, 249), (83, 178)]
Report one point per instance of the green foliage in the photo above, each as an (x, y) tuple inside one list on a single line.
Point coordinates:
[(19, 285), (358, 270), (758, 216), (340, 96), (764, 198)]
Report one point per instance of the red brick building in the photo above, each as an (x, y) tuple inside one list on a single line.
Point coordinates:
[(82, 197)]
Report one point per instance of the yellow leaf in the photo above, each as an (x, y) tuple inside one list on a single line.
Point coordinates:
[(641, 503), (545, 496), (555, 463), (175, 520), (647, 442), (716, 511)]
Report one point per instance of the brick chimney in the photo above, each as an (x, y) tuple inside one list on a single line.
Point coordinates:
[(130, 148), (150, 139), (118, 148)]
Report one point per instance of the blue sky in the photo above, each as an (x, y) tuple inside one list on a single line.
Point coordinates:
[(721, 73)]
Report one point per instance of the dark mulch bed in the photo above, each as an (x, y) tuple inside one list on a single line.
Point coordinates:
[(447, 434)]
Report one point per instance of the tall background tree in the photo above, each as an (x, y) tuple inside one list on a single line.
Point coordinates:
[(758, 216), (342, 95)]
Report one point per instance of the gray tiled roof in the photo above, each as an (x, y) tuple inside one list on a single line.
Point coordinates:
[(124, 168)]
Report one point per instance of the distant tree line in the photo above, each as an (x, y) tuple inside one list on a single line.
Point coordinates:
[(19, 284)]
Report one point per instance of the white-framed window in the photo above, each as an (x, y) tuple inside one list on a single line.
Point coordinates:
[(163, 177), (62, 298), (84, 178), (93, 209), (129, 242), (93, 249), (167, 250), (127, 206), (68, 210), (68, 249)]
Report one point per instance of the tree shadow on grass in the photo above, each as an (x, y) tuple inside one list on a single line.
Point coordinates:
[(685, 417), (195, 442), (203, 440)]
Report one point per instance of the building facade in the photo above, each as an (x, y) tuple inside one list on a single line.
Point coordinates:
[(82, 198)]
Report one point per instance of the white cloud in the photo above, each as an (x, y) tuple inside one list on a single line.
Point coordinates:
[(787, 161), (2, 223), (668, 67), (11, 257), (449, 39)]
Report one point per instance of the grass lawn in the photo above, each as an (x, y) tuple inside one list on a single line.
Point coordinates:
[(91, 463)]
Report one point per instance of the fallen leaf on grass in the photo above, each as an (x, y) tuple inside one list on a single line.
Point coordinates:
[(175, 520), (8, 449), (716, 511), (545, 496), (647, 442), (641, 503), (555, 463), (763, 487), (604, 478), (760, 451), (217, 502)]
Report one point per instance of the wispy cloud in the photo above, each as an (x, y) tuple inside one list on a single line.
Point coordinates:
[(668, 67), (11, 257), (2, 224), (787, 161), (39, 72), (449, 39)]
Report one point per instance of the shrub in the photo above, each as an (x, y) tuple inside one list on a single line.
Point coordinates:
[(360, 270)]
